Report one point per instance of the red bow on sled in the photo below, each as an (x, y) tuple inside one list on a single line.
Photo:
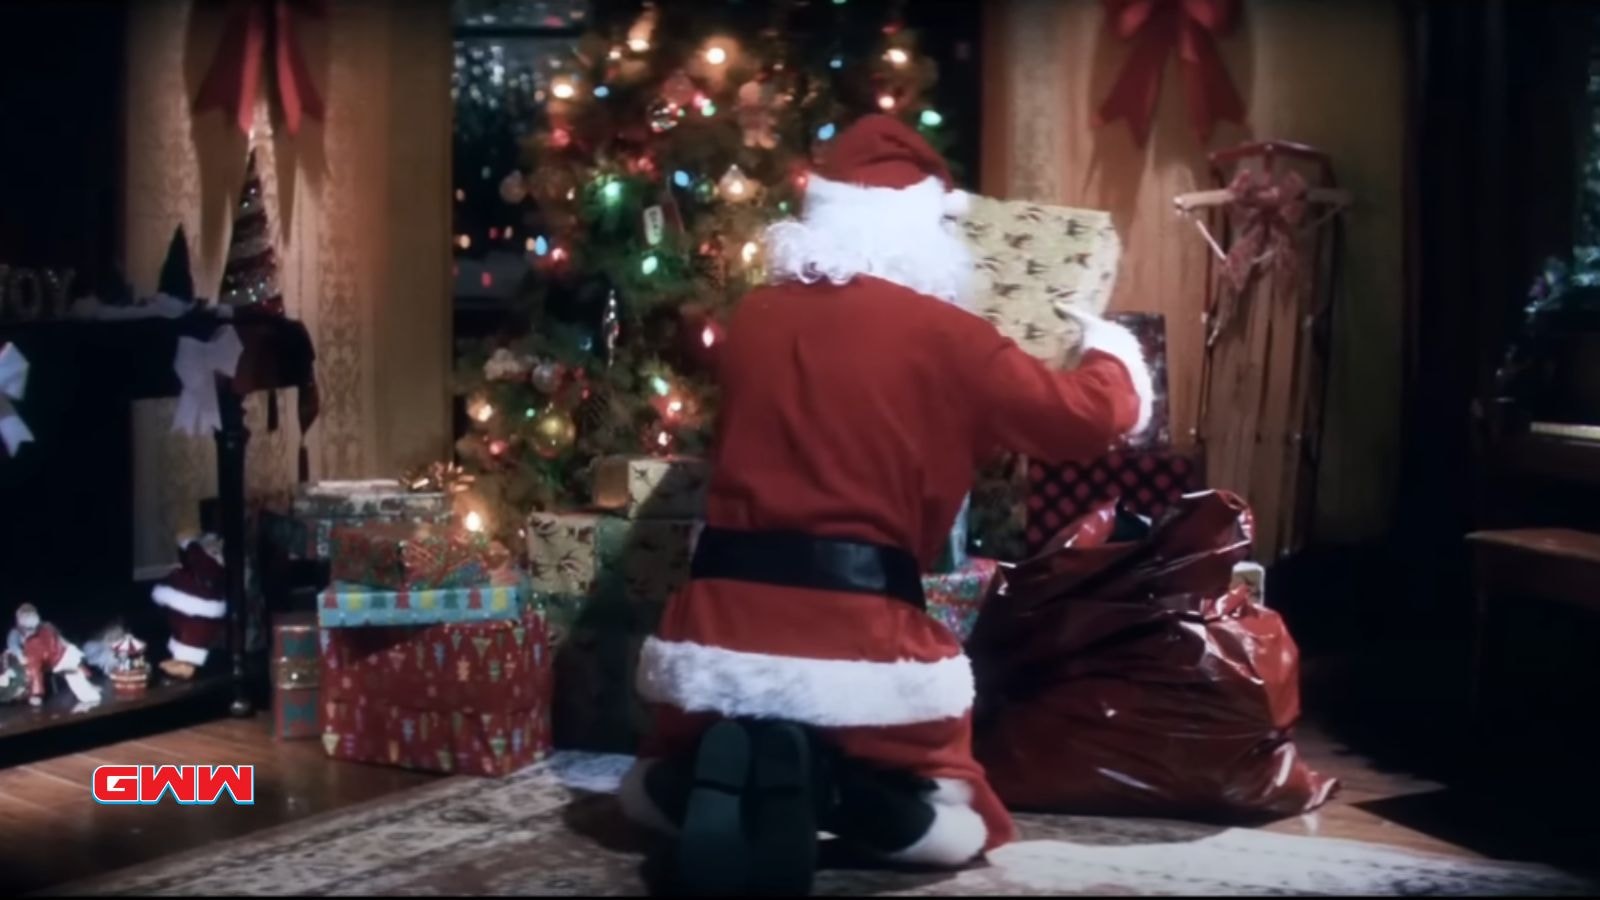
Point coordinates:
[(1157, 27), (234, 79)]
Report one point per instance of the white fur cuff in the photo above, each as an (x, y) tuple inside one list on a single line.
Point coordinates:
[(182, 652), (1117, 341), (955, 838), (825, 693), (187, 604)]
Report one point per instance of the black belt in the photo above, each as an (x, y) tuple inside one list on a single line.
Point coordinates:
[(790, 559)]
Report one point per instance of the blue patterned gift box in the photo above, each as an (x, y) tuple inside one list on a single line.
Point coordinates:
[(356, 606)]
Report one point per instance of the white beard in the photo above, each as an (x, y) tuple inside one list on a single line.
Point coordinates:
[(901, 236)]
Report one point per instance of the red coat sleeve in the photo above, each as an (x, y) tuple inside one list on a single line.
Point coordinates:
[(1029, 407)]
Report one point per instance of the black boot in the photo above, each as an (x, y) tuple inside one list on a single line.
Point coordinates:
[(714, 853), (880, 811), (785, 810)]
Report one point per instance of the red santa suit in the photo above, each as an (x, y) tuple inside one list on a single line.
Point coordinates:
[(859, 397), (194, 596)]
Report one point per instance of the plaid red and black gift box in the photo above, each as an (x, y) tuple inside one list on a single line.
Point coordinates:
[(1147, 482)]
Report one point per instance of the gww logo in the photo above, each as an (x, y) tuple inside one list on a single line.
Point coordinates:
[(187, 785)]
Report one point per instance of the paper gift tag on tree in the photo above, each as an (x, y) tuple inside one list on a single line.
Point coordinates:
[(1034, 261)]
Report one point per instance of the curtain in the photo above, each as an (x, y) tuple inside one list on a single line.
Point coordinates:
[(359, 205), (1496, 93)]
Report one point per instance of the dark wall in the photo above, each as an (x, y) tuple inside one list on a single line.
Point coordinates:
[(61, 101)]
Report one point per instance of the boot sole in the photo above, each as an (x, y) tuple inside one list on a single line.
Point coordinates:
[(785, 812), (713, 850)]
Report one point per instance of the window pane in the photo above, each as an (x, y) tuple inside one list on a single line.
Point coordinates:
[(499, 88), (520, 13)]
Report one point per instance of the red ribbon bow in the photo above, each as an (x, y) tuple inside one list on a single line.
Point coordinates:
[(1272, 210), (1158, 27), (234, 79)]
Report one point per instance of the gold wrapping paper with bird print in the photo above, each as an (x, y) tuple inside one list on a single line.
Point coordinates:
[(1033, 261)]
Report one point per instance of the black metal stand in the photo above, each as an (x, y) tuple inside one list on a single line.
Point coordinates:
[(232, 439)]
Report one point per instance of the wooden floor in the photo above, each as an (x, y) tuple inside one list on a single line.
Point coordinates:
[(51, 832)]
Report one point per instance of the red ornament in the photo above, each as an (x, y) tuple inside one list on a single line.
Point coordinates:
[(256, 30)]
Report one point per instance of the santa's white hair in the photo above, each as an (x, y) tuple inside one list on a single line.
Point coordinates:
[(904, 236)]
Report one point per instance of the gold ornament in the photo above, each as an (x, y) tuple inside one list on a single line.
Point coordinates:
[(554, 433), (735, 187)]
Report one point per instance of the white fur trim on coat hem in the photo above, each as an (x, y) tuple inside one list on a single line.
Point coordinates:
[(194, 656), (824, 693), (187, 604), (1115, 340)]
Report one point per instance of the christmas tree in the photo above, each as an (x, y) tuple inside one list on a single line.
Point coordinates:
[(251, 274), (675, 133)]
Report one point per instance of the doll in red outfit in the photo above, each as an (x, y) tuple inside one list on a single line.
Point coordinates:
[(796, 681)]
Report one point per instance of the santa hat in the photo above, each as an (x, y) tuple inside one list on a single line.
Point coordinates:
[(195, 595), (885, 153), (876, 205)]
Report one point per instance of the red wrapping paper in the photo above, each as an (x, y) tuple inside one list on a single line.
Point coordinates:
[(409, 556), (480, 666), (469, 743), (470, 698)]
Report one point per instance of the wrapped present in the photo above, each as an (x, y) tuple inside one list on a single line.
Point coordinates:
[(954, 599), (410, 556), (954, 555), (306, 531), (354, 606), (596, 706), (469, 698), (650, 487), (382, 498), (1147, 482), (1033, 261), (1253, 578), (296, 676), (581, 554), (434, 740), (1151, 330), (481, 666)]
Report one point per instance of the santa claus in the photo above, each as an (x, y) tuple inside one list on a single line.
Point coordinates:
[(44, 653), (195, 599), (798, 685)]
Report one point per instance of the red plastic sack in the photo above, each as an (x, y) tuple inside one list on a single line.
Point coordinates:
[(1127, 677)]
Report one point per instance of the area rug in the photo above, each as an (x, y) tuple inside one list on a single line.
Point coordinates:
[(552, 830)]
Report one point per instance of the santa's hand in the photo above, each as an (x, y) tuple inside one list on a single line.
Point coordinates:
[(1118, 342)]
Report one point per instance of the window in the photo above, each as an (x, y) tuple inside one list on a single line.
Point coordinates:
[(506, 54)]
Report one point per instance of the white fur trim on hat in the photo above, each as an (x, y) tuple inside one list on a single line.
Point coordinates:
[(186, 603), (898, 235), (826, 693), (1117, 341), (194, 656)]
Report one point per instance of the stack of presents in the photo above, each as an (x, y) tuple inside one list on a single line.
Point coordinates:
[(424, 649), (430, 648)]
